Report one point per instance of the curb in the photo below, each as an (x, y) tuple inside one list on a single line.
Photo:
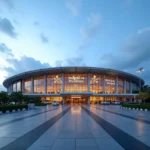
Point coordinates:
[(9, 112), (140, 109)]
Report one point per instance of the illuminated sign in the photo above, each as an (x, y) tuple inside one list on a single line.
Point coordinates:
[(110, 82), (76, 79)]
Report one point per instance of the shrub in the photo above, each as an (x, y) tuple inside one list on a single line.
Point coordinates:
[(139, 106), (4, 108)]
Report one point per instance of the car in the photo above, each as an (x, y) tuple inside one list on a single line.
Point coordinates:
[(12, 103), (116, 102), (46, 102), (105, 103), (55, 103)]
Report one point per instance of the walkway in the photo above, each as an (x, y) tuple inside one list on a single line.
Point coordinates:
[(75, 127)]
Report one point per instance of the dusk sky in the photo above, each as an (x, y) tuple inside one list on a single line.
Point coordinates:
[(38, 34)]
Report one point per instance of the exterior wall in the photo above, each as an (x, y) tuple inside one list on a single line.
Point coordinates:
[(55, 84)]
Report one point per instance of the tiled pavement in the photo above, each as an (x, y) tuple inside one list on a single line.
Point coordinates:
[(75, 128)]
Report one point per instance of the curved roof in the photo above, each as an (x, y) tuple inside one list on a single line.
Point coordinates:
[(57, 70)]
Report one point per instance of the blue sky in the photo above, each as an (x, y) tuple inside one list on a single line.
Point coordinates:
[(102, 33)]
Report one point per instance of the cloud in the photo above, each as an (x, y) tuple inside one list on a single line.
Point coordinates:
[(44, 39), (132, 55), (23, 64), (5, 51), (7, 27), (9, 4), (72, 61), (74, 6), (94, 21)]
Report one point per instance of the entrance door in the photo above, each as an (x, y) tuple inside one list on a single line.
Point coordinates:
[(75, 100)]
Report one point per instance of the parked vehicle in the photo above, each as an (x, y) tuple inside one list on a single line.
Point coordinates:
[(105, 103), (116, 102), (55, 103), (46, 102)]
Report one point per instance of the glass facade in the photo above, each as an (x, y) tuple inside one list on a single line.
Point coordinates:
[(39, 85), (127, 87), (14, 87), (120, 86), (54, 84), (18, 84), (110, 83), (76, 82), (27, 86), (97, 83)]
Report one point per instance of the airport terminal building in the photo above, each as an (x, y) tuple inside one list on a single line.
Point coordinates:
[(76, 84)]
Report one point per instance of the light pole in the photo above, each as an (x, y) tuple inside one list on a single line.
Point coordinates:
[(140, 70)]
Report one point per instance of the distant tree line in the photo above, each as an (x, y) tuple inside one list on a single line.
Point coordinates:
[(17, 98)]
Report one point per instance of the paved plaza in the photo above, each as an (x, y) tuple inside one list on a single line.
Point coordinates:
[(75, 127)]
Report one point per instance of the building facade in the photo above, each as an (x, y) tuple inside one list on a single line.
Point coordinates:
[(76, 84)]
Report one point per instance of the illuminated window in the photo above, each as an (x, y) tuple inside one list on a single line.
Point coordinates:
[(27, 86), (127, 87), (39, 85), (76, 83), (54, 84), (97, 83), (120, 86), (110, 83)]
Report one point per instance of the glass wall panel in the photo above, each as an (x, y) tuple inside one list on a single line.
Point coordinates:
[(54, 84), (120, 86), (27, 86), (94, 99), (19, 86), (76, 83), (97, 83), (135, 88), (14, 87), (110, 98), (51, 99), (127, 87), (110, 83), (39, 85)]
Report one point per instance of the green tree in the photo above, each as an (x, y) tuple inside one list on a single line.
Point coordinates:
[(4, 97), (143, 96), (16, 97), (26, 98)]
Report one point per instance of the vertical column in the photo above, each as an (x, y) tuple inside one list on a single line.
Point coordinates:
[(104, 84), (116, 84), (32, 85), (130, 87), (124, 86), (45, 84), (62, 82), (22, 85), (88, 82)]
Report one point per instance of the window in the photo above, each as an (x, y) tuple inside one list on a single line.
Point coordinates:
[(39, 85), (97, 83), (54, 84), (110, 83), (76, 83)]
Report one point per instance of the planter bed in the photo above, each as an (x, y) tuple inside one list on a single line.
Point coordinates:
[(10, 108)]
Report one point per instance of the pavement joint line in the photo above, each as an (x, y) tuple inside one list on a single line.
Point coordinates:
[(125, 140), (126, 116), (26, 140), (26, 117)]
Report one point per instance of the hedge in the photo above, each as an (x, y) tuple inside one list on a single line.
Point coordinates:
[(139, 106), (4, 108), (40, 104)]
